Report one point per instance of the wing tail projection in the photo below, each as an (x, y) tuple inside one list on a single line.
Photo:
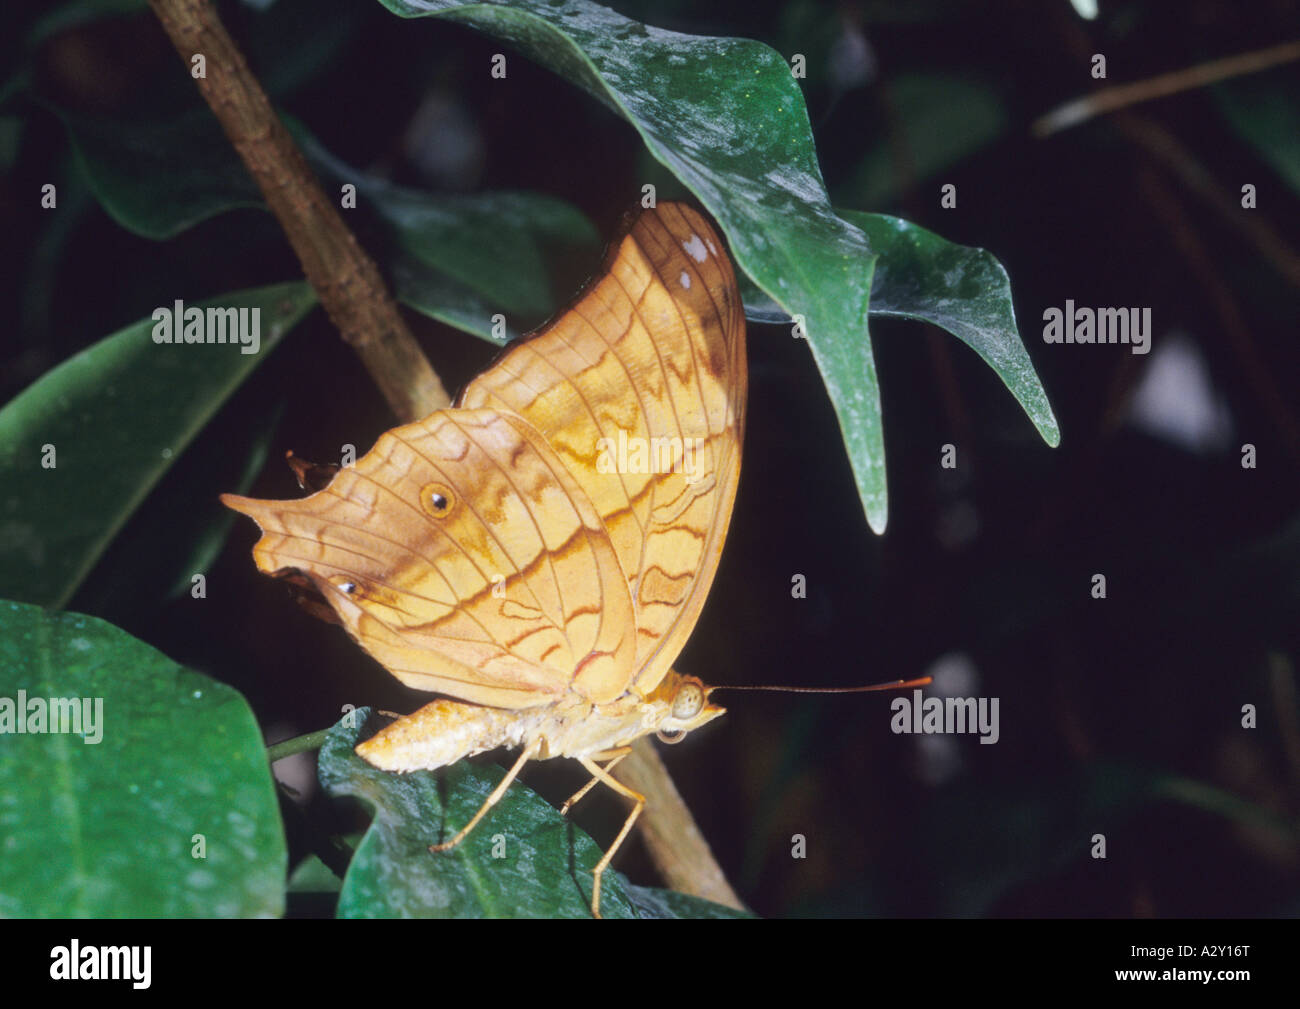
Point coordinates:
[(462, 556)]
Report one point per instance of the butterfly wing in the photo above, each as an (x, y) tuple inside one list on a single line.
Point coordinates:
[(646, 372), (461, 554)]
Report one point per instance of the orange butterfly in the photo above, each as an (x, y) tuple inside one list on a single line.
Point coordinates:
[(540, 552)]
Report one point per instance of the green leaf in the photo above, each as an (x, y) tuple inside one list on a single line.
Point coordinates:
[(655, 903), (116, 415), (393, 873), (1262, 109), (1127, 785), (106, 828), (462, 258), (545, 872), (728, 119), (313, 876), (202, 543), (458, 258), (160, 549), (966, 291), (313, 890), (158, 179), (963, 290)]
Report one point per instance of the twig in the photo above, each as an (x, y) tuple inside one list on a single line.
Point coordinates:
[(346, 279), (353, 293), (1158, 142), (298, 744), (1109, 99), (678, 849), (1174, 155)]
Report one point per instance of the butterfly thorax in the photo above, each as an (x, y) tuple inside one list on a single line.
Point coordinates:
[(445, 730)]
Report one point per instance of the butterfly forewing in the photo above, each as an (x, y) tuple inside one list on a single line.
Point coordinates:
[(640, 387)]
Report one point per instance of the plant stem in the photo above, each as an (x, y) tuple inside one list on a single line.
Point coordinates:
[(678, 849), (344, 277), (299, 744)]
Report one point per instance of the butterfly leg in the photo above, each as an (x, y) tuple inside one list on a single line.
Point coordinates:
[(599, 772), (613, 756), (494, 798)]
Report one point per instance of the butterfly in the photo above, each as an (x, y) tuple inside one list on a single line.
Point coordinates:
[(539, 553)]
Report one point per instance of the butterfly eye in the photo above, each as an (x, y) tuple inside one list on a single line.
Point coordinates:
[(671, 738), (688, 700), (437, 500)]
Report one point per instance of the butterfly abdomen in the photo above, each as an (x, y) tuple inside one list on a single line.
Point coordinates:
[(444, 731)]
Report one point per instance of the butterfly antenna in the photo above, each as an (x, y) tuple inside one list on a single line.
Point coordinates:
[(891, 685)]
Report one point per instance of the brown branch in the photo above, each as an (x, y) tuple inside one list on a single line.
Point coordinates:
[(354, 295), (345, 279), (1174, 155), (1118, 96)]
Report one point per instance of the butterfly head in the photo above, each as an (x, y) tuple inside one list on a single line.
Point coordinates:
[(680, 704)]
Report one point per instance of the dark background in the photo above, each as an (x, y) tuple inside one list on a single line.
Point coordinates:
[(1119, 716)]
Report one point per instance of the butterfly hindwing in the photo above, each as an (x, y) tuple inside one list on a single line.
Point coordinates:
[(461, 554)]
